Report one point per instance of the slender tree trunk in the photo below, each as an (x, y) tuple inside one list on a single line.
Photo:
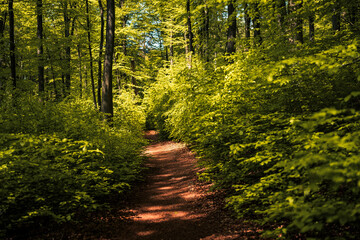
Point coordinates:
[(133, 79), (257, 25), (207, 33), (80, 70), (297, 21), (63, 84), (166, 54), (67, 50), (107, 97), (2, 42), (189, 33), (90, 52), (231, 31), (281, 6), (247, 21), (57, 97), (311, 27), (40, 50), (299, 25), (100, 51), (336, 16), (171, 48), (12, 43)]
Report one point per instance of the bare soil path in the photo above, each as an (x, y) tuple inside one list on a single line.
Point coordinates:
[(170, 205), (173, 205)]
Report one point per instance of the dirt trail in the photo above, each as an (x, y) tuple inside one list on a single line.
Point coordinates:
[(171, 205)]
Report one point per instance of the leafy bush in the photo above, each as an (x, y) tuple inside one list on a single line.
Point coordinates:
[(267, 130), (59, 161)]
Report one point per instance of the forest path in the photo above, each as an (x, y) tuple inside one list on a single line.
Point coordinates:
[(173, 205), (170, 205)]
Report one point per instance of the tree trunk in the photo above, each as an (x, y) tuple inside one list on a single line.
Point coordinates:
[(189, 33), (247, 21), (171, 48), (335, 20), (2, 54), (67, 50), (133, 79), (107, 97), (40, 50), (257, 25), (281, 9), (311, 27), (100, 51), (80, 70), (57, 97), (231, 31), (12, 43), (90, 52), (297, 21)]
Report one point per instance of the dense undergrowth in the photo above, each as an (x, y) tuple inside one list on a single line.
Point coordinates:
[(279, 130), (61, 161)]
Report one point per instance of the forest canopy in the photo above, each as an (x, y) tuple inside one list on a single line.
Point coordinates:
[(267, 93)]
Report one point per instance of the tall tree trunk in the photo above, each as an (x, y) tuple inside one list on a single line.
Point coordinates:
[(297, 21), (100, 51), (107, 97), (57, 97), (133, 79), (166, 54), (189, 33), (67, 49), (40, 50), (80, 70), (247, 21), (171, 48), (90, 52), (257, 25), (12, 43), (281, 10), (231, 31), (311, 27), (2, 42), (207, 33), (335, 20)]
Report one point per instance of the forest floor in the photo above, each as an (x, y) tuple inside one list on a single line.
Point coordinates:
[(171, 204)]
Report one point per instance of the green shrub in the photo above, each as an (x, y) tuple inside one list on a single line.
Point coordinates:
[(59, 161)]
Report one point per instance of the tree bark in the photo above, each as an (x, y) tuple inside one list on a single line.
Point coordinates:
[(40, 50), (335, 20), (90, 52), (257, 25), (171, 49), (247, 21), (2, 42), (311, 27), (80, 70), (281, 6), (67, 49), (189, 33), (12, 43), (133, 79), (107, 97), (297, 21), (231, 31), (100, 51)]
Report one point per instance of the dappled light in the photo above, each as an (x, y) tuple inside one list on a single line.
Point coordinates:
[(189, 120)]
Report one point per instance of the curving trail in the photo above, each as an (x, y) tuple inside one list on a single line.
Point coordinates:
[(172, 205)]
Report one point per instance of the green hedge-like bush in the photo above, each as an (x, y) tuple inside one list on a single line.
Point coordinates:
[(267, 130), (59, 161)]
